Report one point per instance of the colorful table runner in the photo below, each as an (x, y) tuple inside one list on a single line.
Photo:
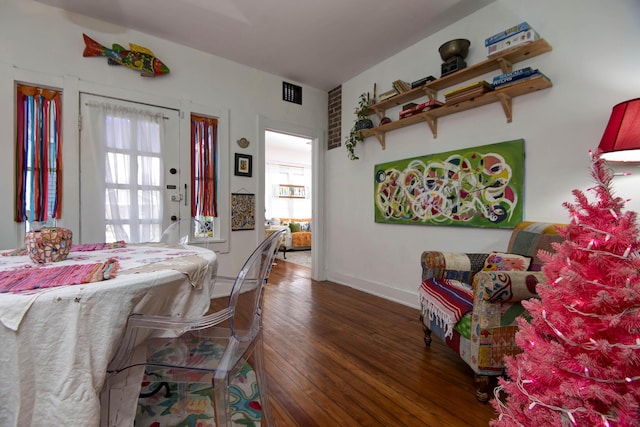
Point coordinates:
[(129, 256), (32, 278)]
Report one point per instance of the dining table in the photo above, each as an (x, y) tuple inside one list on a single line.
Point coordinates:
[(61, 322)]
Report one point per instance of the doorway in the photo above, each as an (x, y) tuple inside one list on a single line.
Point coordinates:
[(316, 137), (288, 192)]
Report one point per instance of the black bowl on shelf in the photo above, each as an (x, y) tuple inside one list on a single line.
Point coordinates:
[(452, 48), (364, 124)]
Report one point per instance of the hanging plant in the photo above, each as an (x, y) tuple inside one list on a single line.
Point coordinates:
[(362, 122)]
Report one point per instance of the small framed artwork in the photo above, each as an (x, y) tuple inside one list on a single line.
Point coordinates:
[(243, 165)]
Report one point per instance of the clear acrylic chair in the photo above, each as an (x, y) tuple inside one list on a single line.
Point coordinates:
[(190, 231), (186, 232), (213, 348)]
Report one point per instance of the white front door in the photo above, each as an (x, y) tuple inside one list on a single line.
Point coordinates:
[(131, 185)]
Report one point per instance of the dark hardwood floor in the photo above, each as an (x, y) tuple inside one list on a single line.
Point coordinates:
[(336, 356)]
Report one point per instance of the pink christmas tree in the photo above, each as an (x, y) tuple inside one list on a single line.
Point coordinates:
[(580, 364)]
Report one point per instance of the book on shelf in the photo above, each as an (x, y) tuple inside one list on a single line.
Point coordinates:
[(465, 96), (466, 88), (423, 81), (508, 80), (401, 86), (524, 26), (417, 109), (388, 94), (531, 76), (522, 72), (512, 41)]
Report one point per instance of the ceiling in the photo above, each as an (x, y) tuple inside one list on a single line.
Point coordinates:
[(283, 141), (321, 44)]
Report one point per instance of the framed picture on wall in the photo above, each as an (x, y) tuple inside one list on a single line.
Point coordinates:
[(243, 211), (242, 164)]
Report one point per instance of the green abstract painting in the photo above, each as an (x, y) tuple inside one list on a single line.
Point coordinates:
[(475, 187)]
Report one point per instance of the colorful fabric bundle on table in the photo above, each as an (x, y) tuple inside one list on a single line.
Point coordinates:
[(31, 278), (85, 247), (16, 252)]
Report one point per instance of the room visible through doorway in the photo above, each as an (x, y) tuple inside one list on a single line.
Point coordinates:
[(288, 183)]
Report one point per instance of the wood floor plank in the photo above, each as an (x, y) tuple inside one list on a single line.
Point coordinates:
[(336, 356)]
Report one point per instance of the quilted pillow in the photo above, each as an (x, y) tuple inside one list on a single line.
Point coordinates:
[(499, 261)]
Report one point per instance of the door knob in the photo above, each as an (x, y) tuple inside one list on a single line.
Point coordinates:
[(174, 218)]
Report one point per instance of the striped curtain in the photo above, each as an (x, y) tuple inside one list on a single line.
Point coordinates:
[(38, 155), (203, 166)]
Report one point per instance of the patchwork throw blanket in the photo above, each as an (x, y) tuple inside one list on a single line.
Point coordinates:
[(446, 302)]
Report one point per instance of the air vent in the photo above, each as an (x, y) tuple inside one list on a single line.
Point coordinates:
[(291, 93)]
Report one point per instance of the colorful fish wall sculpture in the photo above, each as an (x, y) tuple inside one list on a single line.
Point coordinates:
[(137, 57)]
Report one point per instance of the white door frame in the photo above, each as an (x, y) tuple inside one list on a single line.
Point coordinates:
[(318, 272)]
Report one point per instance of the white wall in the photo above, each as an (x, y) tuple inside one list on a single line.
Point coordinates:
[(593, 65), (43, 45)]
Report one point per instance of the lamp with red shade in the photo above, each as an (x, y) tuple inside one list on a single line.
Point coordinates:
[(621, 139)]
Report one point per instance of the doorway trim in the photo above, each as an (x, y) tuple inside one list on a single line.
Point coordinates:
[(317, 137)]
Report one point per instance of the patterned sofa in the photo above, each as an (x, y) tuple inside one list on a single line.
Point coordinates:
[(299, 237), (471, 301)]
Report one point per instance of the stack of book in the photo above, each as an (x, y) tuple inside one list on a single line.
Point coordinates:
[(401, 86), (517, 76), (511, 37), (467, 92), (423, 81), (412, 110), (388, 94)]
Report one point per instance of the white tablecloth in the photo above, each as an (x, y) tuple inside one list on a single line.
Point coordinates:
[(53, 365)]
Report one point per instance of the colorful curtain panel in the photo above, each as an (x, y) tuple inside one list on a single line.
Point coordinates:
[(38, 154), (204, 132)]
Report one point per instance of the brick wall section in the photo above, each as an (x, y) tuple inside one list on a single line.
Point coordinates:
[(335, 118)]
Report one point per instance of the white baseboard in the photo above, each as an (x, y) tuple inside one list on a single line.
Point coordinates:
[(400, 296)]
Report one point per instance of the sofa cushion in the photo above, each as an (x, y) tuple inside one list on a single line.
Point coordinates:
[(530, 237), (500, 261), (503, 286), (451, 265), (294, 227), (301, 239), (305, 226)]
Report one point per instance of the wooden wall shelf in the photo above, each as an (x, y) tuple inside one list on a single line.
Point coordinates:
[(287, 191), (503, 62)]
